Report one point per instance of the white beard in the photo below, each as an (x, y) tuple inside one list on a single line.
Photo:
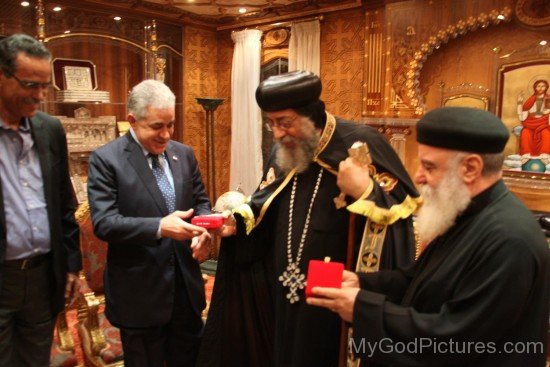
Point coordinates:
[(442, 206), (301, 155)]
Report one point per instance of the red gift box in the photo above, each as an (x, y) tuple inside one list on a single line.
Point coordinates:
[(213, 221), (324, 274)]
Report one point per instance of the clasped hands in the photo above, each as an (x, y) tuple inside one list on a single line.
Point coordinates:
[(176, 227)]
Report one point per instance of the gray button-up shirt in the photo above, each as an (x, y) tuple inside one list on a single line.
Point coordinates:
[(27, 224)]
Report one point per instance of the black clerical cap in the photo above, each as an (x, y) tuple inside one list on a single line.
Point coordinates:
[(290, 90), (464, 129)]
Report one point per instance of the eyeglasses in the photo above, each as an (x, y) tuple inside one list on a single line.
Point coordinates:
[(27, 84), (283, 123)]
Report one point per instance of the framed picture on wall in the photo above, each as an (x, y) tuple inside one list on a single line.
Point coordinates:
[(523, 103)]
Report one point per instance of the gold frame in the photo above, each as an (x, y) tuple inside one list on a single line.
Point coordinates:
[(503, 107), (484, 100)]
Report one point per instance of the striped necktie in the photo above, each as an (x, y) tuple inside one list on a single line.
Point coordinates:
[(163, 183)]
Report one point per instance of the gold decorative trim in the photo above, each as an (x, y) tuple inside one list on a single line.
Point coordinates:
[(269, 178), (368, 208), (273, 53), (289, 17), (171, 49), (248, 216), (417, 247), (326, 135), (82, 212), (326, 166), (40, 21), (483, 99), (272, 197), (505, 68), (367, 191), (442, 36), (66, 342), (329, 129), (532, 20), (276, 37), (82, 34), (386, 181)]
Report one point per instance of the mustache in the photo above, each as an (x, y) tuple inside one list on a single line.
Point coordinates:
[(287, 139), (31, 100)]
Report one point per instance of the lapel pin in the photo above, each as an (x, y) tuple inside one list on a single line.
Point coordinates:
[(174, 158)]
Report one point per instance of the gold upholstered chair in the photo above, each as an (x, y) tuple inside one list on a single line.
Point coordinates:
[(99, 339), (63, 353)]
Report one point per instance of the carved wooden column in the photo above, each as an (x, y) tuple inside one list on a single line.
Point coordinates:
[(398, 138), (395, 129), (40, 21), (210, 105)]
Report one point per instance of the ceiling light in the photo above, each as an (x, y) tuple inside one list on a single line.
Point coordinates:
[(500, 16), (543, 43), (25, 3), (117, 18), (67, 31), (242, 10), (57, 8)]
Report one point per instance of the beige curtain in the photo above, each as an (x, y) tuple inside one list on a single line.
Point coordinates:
[(246, 118), (304, 47)]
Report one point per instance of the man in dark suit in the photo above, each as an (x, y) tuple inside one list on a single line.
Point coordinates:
[(39, 238), (137, 186)]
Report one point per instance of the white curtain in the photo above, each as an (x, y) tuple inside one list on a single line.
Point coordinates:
[(304, 47), (246, 118)]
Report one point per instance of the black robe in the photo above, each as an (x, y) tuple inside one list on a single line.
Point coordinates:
[(485, 281), (251, 323)]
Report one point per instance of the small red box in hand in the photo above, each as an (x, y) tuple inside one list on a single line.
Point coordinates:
[(324, 274), (213, 221)]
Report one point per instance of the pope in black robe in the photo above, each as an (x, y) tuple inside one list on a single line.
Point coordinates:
[(252, 321)]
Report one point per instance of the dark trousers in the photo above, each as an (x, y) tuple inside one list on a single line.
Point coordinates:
[(26, 320), (175, 344)]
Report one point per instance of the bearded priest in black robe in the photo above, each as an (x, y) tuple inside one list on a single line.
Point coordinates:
[(258, 315), (478, 294)]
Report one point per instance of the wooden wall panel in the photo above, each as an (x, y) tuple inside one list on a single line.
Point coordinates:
[(342, 39), (223, 114), (15, 18), (200, 80)]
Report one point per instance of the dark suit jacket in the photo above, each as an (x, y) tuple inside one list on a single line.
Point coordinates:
[(126, 206), (51, 144)]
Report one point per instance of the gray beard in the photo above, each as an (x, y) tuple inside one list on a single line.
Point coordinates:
[(302, 154), (442, 206)]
